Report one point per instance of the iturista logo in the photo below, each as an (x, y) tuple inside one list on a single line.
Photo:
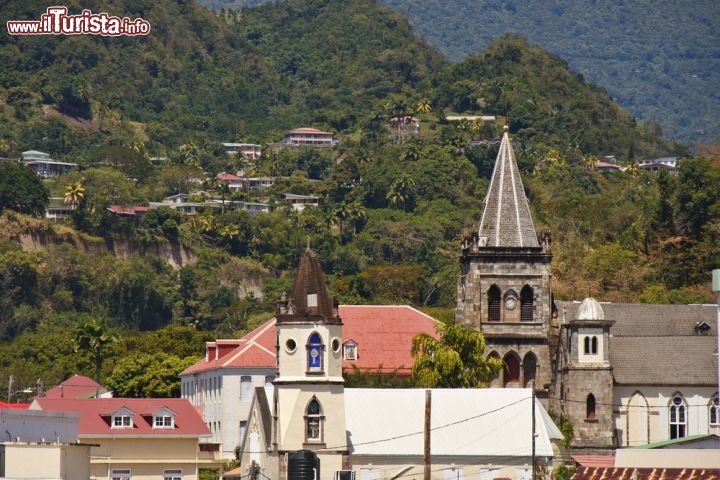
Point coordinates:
[(56, 21)]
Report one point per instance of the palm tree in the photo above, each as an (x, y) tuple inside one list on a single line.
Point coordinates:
[(93, 337), (74, 194), (423, 106)]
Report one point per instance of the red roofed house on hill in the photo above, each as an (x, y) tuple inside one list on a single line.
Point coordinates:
[(375, 338), (309, 137), (138, 438), (78, 386)]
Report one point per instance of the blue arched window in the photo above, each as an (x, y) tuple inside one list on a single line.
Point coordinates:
[(315, 353)]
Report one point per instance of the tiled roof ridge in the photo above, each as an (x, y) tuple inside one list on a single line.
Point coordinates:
[(506, 220)]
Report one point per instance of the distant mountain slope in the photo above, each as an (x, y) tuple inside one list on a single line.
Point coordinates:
[(660, 59)]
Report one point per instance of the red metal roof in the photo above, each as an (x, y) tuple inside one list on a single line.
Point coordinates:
[(594, 460), (15, 406), (228, 177), (96, 415), (77, 386), (308, 130), (591, 473), (383, 335)]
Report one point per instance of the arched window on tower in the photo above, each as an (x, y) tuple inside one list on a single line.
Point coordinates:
[(313, 421), (527, 308), (494, 303), (678, 419), (529, 365), (511, 377), (590, 406), (315, 353), (590, 345)]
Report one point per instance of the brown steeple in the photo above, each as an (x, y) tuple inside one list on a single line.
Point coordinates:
[(506, 220), (310, 299)]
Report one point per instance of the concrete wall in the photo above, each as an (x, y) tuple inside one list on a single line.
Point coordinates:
[(66, 461)]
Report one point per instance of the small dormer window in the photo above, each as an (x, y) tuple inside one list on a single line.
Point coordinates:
[(162, 421), (164, 418), (702, 328), (122, 419)]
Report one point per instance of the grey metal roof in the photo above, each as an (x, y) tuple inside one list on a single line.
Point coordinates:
[(506, 220), (654, 344)]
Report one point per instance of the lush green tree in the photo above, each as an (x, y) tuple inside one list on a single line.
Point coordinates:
[(96, 340), (147, 375), (455, 360), (22, 190)]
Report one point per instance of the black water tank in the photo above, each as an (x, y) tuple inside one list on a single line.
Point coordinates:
[(303, 465)]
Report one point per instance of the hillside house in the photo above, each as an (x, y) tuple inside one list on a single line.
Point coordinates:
[(669, 164), (309, 137), (250, 151), (44, 166), (300, 202), (57, 210)]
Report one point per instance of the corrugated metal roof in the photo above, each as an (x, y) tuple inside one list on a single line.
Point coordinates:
[(464, 422)]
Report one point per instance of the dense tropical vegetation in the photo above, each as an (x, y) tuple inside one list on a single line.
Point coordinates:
[(660, 60), (115, 295)]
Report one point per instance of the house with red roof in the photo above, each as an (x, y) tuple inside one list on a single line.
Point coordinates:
[(309, 137), (139, 438), (78, 386), (376, 338)]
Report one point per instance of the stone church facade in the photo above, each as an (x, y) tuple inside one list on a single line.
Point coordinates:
[(593, 364)]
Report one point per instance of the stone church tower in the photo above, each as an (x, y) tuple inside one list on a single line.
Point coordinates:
[(309, 405), (504, 286), (586, 391)]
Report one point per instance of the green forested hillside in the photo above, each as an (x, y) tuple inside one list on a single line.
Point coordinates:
[(394, 200), (660, 60)]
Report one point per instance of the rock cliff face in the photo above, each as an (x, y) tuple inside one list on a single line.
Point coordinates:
[(175, 254), (34, 235)]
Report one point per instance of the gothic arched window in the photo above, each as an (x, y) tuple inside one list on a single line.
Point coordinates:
[(590, 406), (529, 365), (511, 376), (313, 421), (526, 304), (715, 411), (494, 303), (315, 353), (678, 419)]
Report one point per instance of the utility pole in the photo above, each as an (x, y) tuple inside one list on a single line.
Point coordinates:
[(716, 290), (428, 401), (533, 430), (10, 387)]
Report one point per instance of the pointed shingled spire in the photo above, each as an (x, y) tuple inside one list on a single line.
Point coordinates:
[(310, 297), (506, 220)]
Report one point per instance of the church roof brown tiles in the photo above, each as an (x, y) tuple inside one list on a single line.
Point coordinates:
[(310, 296), (506, 220)]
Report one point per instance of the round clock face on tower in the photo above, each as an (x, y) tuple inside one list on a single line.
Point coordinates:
[(510, 303)]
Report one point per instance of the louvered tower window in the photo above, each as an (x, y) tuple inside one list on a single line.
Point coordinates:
[(526, 304), (494, 304)]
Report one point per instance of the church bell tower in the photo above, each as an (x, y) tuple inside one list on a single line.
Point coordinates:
[(504, 287), (309, 405)]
